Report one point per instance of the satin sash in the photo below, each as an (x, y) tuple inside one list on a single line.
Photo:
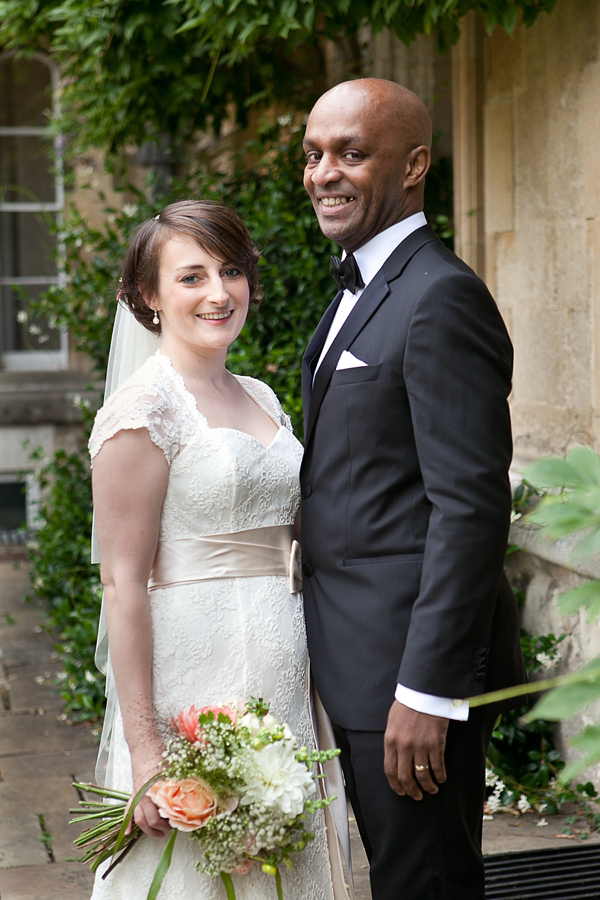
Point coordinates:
[(270, 550)]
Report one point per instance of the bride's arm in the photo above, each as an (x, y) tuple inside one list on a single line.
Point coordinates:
[(129, 481)]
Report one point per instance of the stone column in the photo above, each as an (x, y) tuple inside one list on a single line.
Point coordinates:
[(467, 108)]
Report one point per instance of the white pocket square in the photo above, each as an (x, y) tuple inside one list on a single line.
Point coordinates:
[(348, 361)]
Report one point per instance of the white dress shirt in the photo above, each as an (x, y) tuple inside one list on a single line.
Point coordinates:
[(370, 258)]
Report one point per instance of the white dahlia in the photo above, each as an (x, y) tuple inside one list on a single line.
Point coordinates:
[(279, 781)]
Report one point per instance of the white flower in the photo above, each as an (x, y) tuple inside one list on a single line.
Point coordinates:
[(548, 660), (21, 316), (491, 778), (523, 805), (266, 726), (130, 209), (542, 807), (488, 818), (279, 780), (493, 803), (542, 823), (252, 722)]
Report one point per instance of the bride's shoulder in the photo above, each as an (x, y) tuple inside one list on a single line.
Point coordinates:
[(144, 400), (266, 397)]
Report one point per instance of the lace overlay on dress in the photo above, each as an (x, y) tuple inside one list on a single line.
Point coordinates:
[(221, 639)]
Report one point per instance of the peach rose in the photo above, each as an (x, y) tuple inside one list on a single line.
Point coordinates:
[(186, 723), (188, 804)]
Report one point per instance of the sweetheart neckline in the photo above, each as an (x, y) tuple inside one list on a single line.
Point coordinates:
[(191, 400)]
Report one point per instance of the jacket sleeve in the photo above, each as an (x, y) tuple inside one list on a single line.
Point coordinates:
[(457, 370)]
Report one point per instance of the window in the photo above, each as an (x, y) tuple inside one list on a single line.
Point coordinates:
[(13, 505), (31, 195)]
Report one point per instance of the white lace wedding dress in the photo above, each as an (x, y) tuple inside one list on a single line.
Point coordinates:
[(213, 640)]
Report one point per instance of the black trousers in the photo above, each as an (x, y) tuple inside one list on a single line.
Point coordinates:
[(428, 849)]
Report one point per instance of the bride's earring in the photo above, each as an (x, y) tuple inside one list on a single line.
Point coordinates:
[(156, 320)]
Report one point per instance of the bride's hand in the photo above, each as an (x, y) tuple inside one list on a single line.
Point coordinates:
[(146, 814)]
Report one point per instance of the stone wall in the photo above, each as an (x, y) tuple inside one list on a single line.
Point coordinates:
[(527, 207), (527, 144)]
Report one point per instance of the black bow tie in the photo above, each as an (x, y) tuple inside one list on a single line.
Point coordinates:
[(346, 273)]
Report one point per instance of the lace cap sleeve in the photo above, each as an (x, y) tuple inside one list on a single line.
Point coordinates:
[(266, 397), (140, 402)]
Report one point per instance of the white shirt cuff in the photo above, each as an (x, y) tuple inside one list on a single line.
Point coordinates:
[(433, 706)]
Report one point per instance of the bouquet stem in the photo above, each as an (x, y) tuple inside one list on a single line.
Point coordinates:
[(228, 882), (278, 885)]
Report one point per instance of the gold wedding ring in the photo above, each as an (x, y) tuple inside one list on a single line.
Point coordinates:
[(421, 768)]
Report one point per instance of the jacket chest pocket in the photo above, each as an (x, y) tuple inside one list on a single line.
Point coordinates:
[(355, 375)]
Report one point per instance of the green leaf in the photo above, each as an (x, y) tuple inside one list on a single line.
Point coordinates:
[(509, 19), (131, 811), (583, 688), (162, 868), (566, 701), (552, 472), (559, 516), (585, 461), (588, 741)]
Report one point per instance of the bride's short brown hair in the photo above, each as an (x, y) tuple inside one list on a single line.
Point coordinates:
[(217, 229)]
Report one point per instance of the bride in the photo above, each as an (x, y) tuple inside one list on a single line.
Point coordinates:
[(195, 480)]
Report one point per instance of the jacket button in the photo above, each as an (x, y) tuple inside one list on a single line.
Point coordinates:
[(307, 569), (306, 490)]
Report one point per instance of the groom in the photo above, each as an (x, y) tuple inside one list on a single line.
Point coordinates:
[(406, 500)]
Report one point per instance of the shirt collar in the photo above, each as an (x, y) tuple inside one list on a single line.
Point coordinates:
[(372, 255)]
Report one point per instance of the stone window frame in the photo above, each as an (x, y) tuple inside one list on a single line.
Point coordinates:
[(38, 360)]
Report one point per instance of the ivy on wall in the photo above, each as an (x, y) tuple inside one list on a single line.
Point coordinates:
[(135, 70)]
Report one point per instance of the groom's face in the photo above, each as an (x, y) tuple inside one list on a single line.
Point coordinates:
[(355, 166)]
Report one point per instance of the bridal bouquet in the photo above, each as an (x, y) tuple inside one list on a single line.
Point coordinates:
[(236, 782)]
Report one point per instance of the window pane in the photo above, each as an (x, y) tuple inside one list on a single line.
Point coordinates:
[(31, 334), (25, 92), (13, 510), (26, 174), (26, 245)]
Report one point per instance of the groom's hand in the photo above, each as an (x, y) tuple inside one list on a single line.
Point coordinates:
[(414, 745)]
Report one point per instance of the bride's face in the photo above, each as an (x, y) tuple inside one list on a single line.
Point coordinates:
[(202, 301)]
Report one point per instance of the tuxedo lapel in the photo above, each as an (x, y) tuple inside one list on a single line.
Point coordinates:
[(313, 351), (398, 259), (374, 294)]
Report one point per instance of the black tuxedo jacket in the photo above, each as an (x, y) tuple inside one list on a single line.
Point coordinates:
[(406, 498)]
